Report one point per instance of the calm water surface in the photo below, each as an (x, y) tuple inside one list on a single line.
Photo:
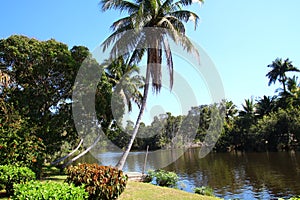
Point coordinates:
[(231, 175)]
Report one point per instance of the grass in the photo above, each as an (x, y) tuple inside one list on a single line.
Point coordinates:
[(133, 191), (147, 191)]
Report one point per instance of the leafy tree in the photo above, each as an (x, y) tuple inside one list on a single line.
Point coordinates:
[(19, 144), (280, 130), (41, 78), (160, 14), (37, 79)]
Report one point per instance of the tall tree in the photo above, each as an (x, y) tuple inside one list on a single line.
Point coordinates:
[(167, 14), (278, 71), (126, 84), (41, 75)]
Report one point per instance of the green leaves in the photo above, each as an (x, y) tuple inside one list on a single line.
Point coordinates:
[(11, 174), (163, 178), (49, 190), (207, 191), (101, 182), (19, 144)]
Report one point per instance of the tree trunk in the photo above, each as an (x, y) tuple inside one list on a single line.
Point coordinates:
[(154, 61), (67, 156), (122, 160), (82, 153)]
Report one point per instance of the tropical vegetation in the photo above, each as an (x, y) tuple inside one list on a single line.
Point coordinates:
[(37, 127)]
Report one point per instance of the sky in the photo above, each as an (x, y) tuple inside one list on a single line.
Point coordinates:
[(240, 37)]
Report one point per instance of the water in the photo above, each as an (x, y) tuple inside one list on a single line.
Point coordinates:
[(231, 175)]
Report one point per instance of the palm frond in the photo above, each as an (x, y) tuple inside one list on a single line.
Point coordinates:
[(188, 2), (169, 58), (121, 23), (185, 15), (166, 23), (122, 5), (177, 24), (115, 36), (127, 42), (166, 6), (187, 45), (137, 55)]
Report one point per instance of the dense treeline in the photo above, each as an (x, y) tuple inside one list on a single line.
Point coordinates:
[(36, 124), (268, 123)]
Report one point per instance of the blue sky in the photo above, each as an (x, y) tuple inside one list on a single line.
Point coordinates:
[(241, 37)]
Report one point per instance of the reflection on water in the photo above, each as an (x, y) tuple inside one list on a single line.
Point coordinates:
[(231, 175)]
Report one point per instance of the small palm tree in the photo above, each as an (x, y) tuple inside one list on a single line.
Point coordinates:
[(278, 71), (165, 14), (125, 80), (265, 105), (231, 110), (248, 108), (293, 91)]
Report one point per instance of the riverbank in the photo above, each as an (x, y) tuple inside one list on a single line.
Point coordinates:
[(140, 191), (146, 191)]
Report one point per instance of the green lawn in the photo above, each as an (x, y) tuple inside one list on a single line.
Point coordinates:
[(147, 191)]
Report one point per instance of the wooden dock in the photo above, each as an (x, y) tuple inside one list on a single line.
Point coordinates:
[(135, 176)]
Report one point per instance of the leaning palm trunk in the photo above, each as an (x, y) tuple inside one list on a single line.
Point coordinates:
[(67, 156), (122, 160), (153, 66), (82, 153)]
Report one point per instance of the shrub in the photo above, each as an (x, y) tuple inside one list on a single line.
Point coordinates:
[(49, 190), (101, 182), (295, 198), (163, 178), (9, 175), (207, 191)]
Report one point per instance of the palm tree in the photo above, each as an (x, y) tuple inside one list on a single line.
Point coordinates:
[(265, 105), (231, 110), (125, 80), (165, 14), (293, 91), (248, 108), (278, 72)]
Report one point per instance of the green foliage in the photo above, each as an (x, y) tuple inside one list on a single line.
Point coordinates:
[(19, 145), (163, 178), (207, 191), (101, 182), (11, 174), (295, 198), (280, 130), (49, 190), (42, 75)]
